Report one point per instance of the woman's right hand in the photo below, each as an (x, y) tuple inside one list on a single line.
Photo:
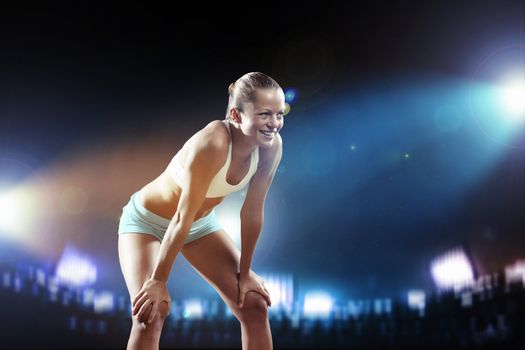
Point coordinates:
[(146, 302)]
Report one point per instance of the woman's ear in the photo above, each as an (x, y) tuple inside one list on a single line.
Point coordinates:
[(235, 115)]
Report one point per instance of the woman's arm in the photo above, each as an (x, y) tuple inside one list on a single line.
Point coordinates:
[(202, 164), (204, 160), (252, 212)]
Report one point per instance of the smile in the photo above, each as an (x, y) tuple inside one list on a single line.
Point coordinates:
[(268, 134)]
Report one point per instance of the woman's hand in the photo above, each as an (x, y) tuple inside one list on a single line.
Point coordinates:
[(146, 302), (252, 282)]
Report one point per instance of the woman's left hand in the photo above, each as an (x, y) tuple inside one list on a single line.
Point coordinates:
[(252, 282)]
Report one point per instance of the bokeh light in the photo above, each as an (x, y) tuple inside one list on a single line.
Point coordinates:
[(416, 299), (317, 304), (452, 270), (290, 95), (193, 309), (286, 108), (75, 269)]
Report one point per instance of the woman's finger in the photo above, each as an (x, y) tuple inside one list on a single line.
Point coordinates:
[(137, 297), (140, 311), (139, 303), (144, 311), (268, 298), (153, 312), (241, 299), (140, 300)]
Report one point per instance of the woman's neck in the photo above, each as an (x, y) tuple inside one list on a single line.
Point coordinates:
[(241, 145)]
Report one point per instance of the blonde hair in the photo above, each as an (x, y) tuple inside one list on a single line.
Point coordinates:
[(243, 90)]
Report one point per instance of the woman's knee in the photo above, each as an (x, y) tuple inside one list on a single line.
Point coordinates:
[(255, 308), (156, 324)]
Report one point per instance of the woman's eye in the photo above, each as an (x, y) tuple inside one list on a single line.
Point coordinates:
[(279, 116)]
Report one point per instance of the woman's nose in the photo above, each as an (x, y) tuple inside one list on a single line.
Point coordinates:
[(274, 122)]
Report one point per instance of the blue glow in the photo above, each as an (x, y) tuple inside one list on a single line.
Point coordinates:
[(416, 299), (409, 137), (193, 309), (290, 95), (494, 119), (75, 269), (280, 287), (497, 95), (448, 118)]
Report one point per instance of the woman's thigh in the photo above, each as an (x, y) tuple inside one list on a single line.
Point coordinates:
[(137, 255), (216, 258)]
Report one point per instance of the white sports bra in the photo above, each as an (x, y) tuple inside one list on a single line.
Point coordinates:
[(219, 187)]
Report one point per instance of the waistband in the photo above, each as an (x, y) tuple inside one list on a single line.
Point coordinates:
[(159, 220)]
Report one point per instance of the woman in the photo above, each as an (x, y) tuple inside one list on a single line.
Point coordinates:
[(175, 213)]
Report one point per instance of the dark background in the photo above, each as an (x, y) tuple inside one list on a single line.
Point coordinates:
[(101, 97)]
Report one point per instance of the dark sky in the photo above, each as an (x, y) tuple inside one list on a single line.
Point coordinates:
[(376, 75)]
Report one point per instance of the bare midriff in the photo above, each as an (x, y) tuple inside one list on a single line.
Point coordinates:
[(161, 196)]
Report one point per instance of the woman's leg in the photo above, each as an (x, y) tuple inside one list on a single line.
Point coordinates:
[(137, 255), (217, 259)]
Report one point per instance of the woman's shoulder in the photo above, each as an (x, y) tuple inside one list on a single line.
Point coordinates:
[(219, 126), (216, 132), (213, 136), (212, 139)]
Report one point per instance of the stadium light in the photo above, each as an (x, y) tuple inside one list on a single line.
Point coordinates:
[(75, 270), (452, 270), (280, 287), (317, 304), (515, 272), (193, 309), (103, 302), (416, 299)]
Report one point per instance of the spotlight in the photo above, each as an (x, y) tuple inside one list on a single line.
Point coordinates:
[(18, 207), (512, 98), (10, 208)]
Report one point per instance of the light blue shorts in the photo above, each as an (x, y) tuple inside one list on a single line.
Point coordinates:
[(136, 218)]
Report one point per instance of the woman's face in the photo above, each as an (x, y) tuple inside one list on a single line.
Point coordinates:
[(263, 119)]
